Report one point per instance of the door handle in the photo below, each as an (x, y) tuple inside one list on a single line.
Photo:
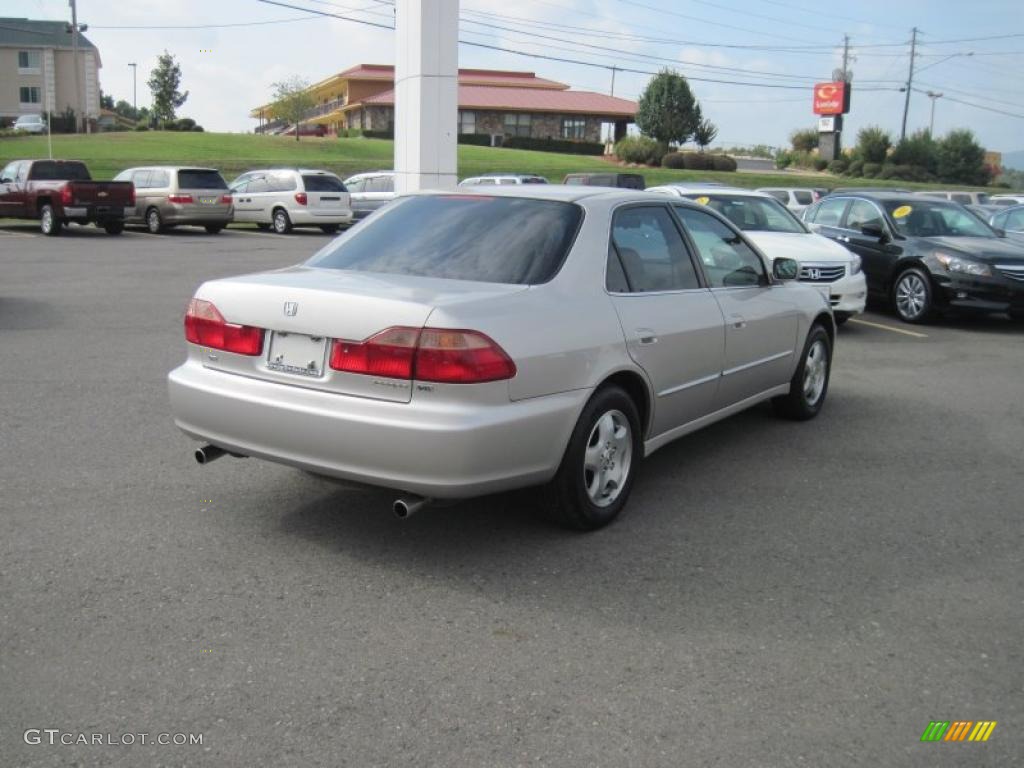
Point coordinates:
[(738, 321), (646, 336)]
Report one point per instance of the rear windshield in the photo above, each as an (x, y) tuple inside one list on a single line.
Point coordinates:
[(201, 180), (460, 237), (320, 183), (48, 170), (751, 214)]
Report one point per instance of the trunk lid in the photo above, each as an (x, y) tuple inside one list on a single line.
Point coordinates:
[(302, 309)]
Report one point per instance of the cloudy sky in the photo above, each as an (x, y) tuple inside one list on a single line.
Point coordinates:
[(232, 50)]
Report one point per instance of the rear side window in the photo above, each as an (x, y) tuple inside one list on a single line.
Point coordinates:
[(47, 170), (829, 213), (651, 251), (356, 186), (460, 237), (160, 179), (381, 184), (323, 183), (197, 179), (141, 179), (803, 197)]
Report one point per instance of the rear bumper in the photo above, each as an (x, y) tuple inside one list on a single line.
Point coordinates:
[(306, 216), (196, 217), (435, 449), (93, 213)]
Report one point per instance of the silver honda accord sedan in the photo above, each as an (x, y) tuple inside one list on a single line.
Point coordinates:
[(455, 345)]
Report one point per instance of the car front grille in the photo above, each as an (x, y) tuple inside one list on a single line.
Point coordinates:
[(1012, 271), (821, 273)]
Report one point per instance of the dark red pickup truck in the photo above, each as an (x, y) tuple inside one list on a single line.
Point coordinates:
[(61, 191)]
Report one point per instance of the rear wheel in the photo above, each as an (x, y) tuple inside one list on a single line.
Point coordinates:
[(282, 224), (912, 298), (214, 229), (49, 224), (809, 385), (114, 227), (154, 222), (329, 229), (596, 475)]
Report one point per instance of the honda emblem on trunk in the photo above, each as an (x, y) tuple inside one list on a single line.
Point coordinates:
[(290, 308)]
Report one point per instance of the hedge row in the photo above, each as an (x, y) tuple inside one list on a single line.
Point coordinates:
[(698, 161), (554, 145)]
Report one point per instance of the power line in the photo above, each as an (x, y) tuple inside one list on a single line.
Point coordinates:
[(978, 106), (206, 26)]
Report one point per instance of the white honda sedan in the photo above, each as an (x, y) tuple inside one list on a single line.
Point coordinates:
[(833, 269), (458, 344)]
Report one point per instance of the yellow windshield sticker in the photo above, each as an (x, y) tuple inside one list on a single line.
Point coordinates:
[(902, 212), (703, 199)]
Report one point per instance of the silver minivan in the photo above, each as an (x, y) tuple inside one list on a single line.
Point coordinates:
[(283, 198), (370, 191), (166, 196)]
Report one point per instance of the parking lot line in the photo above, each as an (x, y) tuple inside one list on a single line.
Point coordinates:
[(892, 328), (15, 234)]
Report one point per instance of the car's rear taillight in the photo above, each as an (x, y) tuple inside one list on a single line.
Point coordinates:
[(460, 357), (206, 326), (131, 195), (389, 353), (301, 198), (66, 195), (179, 198), (431, 354), (225, 199)]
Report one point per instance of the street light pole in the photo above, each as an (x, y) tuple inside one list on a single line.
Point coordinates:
[(135, 102), (910, 83), (934, 97)]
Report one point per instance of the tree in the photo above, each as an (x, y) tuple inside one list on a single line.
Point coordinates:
[(918, 150), (705, 133), (163, 82), (804, 139), (292, 100), (106, 102), (961, 159), (873, 144), (668, 111)]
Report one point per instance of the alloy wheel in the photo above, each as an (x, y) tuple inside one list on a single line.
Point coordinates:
[(815, 372), (608, 458), (911, 296)]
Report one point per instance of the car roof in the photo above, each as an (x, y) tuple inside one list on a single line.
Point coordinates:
[(569, 193), (169, 168), (882, 195), (717, 189)]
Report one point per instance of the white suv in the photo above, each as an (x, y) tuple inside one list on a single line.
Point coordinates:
[(282, 198)]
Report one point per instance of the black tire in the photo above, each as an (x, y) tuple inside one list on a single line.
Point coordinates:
[(806, 398), (113, 227), (566, 499), (263, 227), (214, 229), (328, 229), (49, 224), (912, 297), (841, 317), (1017, 316), (282, 224), (154, 222)]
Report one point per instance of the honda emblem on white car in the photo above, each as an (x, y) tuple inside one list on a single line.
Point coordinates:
[(290, 308), (814, 273)]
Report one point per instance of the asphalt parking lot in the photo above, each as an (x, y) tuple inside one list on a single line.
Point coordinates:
[(776, 593)]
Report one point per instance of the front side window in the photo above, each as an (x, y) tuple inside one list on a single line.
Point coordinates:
[(28, 60), (830, 212), (573, 128), (467, 122), (381, 184), (9, 171), (651, 252), (460, 237), (803, 196), (1014, 220), (141, 179), (28, 94), (517, 124), (862, 214), (728, 261)]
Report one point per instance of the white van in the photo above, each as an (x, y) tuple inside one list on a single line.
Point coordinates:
[(282, 198)]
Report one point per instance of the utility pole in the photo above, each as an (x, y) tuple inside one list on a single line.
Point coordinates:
[(135, 101), (74, 57), (846, 58), (910, 83), (614, 69)]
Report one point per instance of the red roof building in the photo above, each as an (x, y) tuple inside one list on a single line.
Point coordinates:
[(495, 103)]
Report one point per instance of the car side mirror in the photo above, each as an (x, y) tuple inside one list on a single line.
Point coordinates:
[(1000, 231), (785, 269), (6, 181), (873, 230)]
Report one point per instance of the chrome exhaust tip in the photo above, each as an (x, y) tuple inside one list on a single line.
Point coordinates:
[(406, 506), (208, 453)]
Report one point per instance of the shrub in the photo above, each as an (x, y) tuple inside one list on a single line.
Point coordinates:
[(723, 163), (871, 170), (856, 168), (638, 149), (197, 129), (839, 165), (141, 127), (804, 140), (961, 159), (695, 161), (918, 149), (379, 134), (186, 124), (873, 144), (673, 160), (554, 145), (783, 159), (820, 164), (476, 139)]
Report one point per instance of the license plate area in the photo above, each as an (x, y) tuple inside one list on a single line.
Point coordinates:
[(297, 354), (826, 290), (208, 200)]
